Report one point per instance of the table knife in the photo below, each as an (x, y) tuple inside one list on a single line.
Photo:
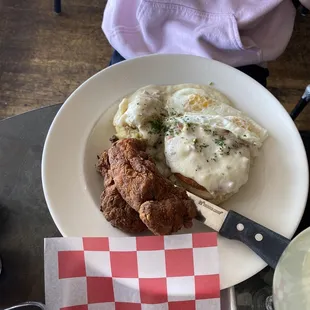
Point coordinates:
[(266, 243)]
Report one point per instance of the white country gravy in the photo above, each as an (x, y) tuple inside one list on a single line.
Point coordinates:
[(215, 158), (144, 112)]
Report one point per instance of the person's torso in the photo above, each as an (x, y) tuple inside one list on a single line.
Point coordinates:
[(234, 32)]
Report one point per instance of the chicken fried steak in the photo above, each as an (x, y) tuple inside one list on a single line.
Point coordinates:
[(113, 206), (162, 207)]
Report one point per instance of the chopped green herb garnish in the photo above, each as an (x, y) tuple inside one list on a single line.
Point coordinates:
[(157, 126), (220, 142), (202, 146)]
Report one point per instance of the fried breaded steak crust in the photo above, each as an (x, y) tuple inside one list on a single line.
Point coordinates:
[(114, 208), (162, 207)]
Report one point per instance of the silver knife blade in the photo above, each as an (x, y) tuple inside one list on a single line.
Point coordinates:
[(208, 213)]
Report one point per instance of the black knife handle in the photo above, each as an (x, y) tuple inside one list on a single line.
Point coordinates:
[(264, 242)]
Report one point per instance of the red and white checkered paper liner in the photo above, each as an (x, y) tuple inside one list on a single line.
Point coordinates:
[(133, 273)]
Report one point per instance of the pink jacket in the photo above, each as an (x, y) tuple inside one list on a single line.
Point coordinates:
[(236, 32)]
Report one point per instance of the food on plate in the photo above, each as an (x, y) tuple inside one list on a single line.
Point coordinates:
[(161, 206), (114, 208), (210, 154), (141, 116), (195, 136), (193, 98)]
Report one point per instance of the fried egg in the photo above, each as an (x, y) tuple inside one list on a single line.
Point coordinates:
[(195, 134), (194, 98)]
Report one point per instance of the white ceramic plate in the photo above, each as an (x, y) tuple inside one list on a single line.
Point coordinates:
[(275, 195)]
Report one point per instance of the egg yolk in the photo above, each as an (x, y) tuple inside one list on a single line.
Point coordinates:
[(245, 125), (239, 122), (196, 103)]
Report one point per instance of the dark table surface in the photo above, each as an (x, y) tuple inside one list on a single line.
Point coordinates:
[(25, 220), (24, 217)]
